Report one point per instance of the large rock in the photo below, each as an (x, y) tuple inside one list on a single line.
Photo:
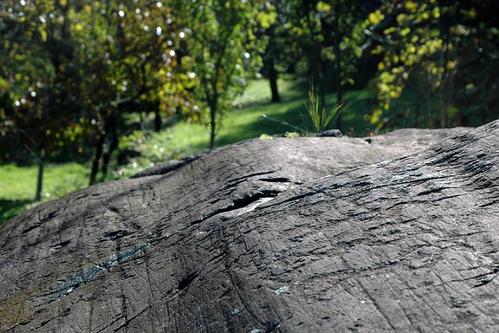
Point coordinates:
[(397, 232)]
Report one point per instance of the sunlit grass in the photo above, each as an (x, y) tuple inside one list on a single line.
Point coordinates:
[(18, 184), (258, 92)]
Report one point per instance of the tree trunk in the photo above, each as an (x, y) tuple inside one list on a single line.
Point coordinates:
[(141, 119), (463, 117), (416, 116), (314, 54), (322, 83), (106, 157), (97, 157), (39, 180), (339, 98), (157, 120), (273, 76), (213, 122), (337, 52)]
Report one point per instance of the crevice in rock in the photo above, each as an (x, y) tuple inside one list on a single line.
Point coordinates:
[(279, 180), (247, 200), (251, 175), (186, 281), (61, 245), (114, 235), (168, 167), (241, 203)]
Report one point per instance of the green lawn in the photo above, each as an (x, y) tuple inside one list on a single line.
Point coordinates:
[(17, 184)]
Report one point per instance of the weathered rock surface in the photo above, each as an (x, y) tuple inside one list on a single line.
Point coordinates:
[(398, 232)]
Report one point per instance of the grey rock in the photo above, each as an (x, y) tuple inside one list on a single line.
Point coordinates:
[(299, 235)]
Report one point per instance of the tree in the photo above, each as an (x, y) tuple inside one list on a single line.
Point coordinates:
[(130, 49), (71, 70), (220, 42), (339, 20), (327, 39), (445, 51), (267, 27), (37, 73), (273, 32)]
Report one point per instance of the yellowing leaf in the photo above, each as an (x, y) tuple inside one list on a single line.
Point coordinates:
[(358, 52), (436, 12), (376, 116), (267, 19), (404, 32), (375, 17), (451, 65), (323, 7), (43, 34), (411, 6), (377, 50), (265, 137), (389, 30), (401, 18)]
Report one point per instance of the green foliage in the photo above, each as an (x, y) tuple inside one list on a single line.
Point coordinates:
[(433, 48), (38, 73), (318, 117), (129, 141), (268, 16)]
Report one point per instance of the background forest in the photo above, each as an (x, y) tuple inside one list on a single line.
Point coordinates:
[(98, 90)]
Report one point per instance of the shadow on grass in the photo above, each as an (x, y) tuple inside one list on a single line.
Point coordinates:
[(12, 208)]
